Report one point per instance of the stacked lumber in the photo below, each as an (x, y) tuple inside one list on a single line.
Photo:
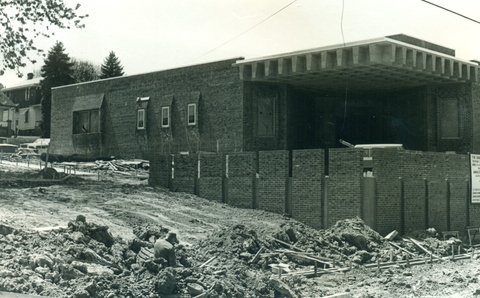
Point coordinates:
[(121, 166)]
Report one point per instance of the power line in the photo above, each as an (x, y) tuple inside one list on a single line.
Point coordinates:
[(463, 16), (341, 22), (235, 37)]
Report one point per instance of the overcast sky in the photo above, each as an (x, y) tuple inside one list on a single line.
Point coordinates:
[(151, 35)]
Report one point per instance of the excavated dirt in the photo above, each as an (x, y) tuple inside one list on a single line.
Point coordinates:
[(90, 238)]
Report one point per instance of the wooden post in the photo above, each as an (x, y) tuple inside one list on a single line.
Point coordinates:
[(315, 268)]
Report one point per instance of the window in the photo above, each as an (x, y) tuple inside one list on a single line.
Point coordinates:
[(27, 94), (86, 121), (26, 116), (449, 119), (192, 114), (165, 116), (141, 119)]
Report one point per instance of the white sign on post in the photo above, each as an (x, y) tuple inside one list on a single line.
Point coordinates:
[(475, 177)]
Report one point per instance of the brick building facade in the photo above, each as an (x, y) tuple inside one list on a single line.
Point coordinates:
[(258, 133)]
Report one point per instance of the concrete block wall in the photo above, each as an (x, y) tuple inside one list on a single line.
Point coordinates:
[(308, 171), (241, 174), (274, 171)]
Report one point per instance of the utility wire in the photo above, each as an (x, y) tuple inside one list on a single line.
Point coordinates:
[(341, 22), (458, 14), (237, 36)]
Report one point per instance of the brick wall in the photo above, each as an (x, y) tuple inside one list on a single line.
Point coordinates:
[(308, 172), (459, 201), (425, 176), (414, 204), (215, 88), (185, 172), (407, 183), (211, 176), (274, 170), (345, 172), (160, 171), (241, 172)]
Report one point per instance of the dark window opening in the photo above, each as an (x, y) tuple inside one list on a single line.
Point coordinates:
[(86, 121)]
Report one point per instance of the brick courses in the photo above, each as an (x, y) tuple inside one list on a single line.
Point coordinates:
[(273, 170), (214, 87), (308, 172)]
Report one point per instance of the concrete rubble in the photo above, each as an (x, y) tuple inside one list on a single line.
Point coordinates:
[(284, 258)]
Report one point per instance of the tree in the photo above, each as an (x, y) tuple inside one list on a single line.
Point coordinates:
[(18, 18), (111, 67), (84, 71), (57, 71)]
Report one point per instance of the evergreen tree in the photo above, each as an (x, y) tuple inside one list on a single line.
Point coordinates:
[(57, 71), (111, 67)]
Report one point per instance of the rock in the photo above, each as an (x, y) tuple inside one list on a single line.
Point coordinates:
[(165, 282), (6, 230), (91, 288), (4, 273), (42, 270), (80, 267), (246, 255), (81, 218), (281, 288), (81, 294), (40, 261), (195, 289), (68, 272), (290, 233), (361, 257), (101, 234), (79, 237), (357, 240)]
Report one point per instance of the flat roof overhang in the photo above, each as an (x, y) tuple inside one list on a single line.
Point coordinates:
[(378, 64)]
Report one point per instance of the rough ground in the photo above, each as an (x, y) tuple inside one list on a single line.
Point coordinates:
[(89, 238)]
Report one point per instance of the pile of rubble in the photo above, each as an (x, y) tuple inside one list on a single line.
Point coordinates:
[(243, 260)]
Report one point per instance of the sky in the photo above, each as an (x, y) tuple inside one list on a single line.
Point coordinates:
[(153, 35)]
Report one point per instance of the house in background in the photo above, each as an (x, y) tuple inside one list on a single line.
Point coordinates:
[(27, 97), (7, 114)]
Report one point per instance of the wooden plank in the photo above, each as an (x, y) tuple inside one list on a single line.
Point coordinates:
[(257, 254), (289, 245), (392, 235), (402, 249), (339, 295), (424, 249), (208, 261)]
